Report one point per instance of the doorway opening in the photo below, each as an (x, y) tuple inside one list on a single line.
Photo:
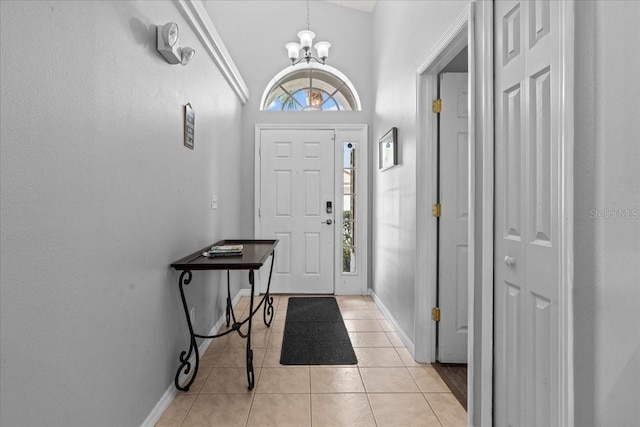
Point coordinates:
[(428, 296)]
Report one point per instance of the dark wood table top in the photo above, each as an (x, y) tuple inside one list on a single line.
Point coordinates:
[(254, 255)]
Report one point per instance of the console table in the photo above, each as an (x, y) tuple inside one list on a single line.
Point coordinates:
[(255, 253)]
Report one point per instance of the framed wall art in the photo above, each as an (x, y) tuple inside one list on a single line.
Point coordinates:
[(189, 126), (388, 150)]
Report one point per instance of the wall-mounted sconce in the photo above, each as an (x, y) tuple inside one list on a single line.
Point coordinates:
[(168, 46)]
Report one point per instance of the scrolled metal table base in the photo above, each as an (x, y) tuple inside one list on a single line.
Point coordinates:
[(185, 356)]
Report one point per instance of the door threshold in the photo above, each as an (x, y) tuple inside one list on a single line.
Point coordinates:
[(454, 376)]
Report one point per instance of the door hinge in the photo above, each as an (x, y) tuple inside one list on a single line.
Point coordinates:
[(436, 210), (436, 106), (259, 213), (435, 314)]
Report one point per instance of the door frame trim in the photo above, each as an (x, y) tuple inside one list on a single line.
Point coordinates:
[(339, 287), (459, 35), (566, 221), (486, 133)]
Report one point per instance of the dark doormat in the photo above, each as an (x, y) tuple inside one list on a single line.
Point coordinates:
[(314, 334)]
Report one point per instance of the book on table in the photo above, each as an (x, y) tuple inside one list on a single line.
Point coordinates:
[(223, 250)]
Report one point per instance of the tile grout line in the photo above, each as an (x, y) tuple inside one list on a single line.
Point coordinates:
[(255, 387), (184, 418), (432, 410)]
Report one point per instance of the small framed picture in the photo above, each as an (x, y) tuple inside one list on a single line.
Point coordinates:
[(388, 150), (189, 126)]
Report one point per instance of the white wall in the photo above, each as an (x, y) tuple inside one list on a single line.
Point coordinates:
[(405, 33), (607, 178), (98, 197)]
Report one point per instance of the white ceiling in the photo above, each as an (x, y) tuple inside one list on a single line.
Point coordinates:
[(365, 5)]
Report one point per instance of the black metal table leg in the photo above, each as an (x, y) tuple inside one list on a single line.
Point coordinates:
[(229, 307), (250, 377), (268, 307), (185, 364)]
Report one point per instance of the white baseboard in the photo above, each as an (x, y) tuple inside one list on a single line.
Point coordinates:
[(170, 393), (246, 292), (161, 406), (408, 343)]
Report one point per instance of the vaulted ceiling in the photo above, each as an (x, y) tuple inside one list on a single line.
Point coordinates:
[(365, 5)]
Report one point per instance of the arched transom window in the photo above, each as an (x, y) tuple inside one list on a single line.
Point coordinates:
[(310, 87)]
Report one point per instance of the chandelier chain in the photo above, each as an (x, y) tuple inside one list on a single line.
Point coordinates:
[(308, 21)]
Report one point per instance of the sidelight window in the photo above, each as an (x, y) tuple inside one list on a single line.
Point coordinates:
[(349, 208)]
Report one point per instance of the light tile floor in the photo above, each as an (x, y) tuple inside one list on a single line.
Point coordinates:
[(386, 388)]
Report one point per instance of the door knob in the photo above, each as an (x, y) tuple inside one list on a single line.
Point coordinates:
[(328, 222), (509, 261)]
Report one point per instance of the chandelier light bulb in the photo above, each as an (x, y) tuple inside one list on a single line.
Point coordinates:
[(323, 49), (306, 38), (294, 50)]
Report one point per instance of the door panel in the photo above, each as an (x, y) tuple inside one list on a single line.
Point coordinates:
[(283, 260), (526, 213), (513, 167), (312, 194), (453, 243), (297, 179), (511, 341), (462, 285), (282, 190), (540, 183)]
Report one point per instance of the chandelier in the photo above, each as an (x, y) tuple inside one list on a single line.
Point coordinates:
[(306, 40), (314, 99)]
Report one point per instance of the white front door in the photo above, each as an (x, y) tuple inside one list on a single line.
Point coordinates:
[(453, 241), (296, 183), (526, 256)]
